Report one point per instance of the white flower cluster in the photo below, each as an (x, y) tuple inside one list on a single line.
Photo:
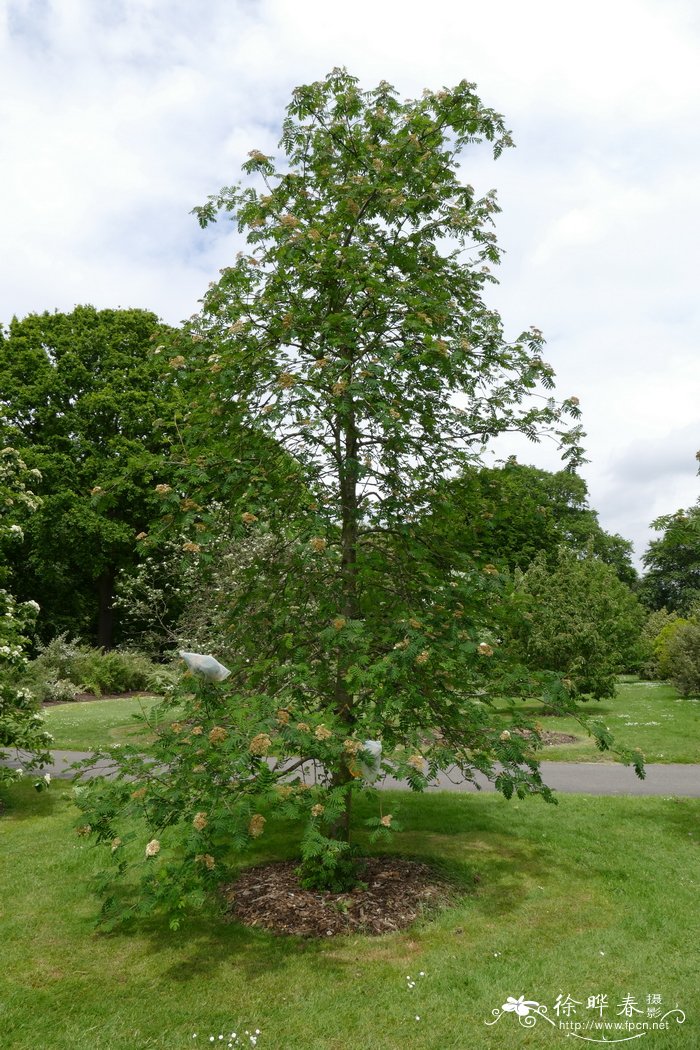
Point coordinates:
[(10, 652)]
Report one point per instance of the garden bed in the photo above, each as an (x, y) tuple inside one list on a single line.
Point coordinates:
[(394, 892)]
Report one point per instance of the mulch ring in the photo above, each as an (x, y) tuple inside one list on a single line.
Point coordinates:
[(548, 738), (397, 893), (557, 738)]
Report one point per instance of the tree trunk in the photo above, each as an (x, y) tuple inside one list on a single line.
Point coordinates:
[(351, 607), (105, 611)]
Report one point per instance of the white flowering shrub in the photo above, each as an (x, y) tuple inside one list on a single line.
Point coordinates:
[(21, 726), (152, 595)]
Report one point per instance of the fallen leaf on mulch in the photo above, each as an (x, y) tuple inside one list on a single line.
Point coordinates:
[(397, 892)]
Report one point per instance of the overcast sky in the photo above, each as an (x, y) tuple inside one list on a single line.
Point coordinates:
[(116, 118)]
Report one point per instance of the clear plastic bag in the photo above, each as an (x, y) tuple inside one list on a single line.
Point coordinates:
[(371, 764), (207, 666)]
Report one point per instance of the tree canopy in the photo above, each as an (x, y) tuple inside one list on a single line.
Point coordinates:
[(672, 562), (82, 395), (509, 514)]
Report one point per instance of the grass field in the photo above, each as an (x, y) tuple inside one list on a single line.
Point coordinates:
[(643, 714), (649, 715), (86, 724), (595, 896)]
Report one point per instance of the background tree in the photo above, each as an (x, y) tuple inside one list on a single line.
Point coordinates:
[(353, 334), (509, 514), (672, 562), (682, 657), (581, 620), (83, 394)]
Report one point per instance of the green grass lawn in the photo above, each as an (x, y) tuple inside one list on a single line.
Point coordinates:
[(649, 715), (595, 896), (96, 723)]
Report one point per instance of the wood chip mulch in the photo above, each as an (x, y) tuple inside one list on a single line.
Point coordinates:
[(397, 892), (548, 737)]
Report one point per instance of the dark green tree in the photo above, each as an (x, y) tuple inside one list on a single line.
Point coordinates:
[(672, 563), (507, 515), (83, 394)]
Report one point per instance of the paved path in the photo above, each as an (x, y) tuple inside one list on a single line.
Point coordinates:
[(591, 778)]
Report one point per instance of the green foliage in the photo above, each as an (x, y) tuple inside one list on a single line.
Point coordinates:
[(507, 515), (682, 658), (331, 866), (64, 668), (581, 621), (83, 398), (672, 578), (651, 650), (341, 366), (662, 645), (232, 767)]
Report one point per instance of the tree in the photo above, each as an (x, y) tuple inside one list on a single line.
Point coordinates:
[(683, 658), (83, 395), (581, 620), (509, 514), (353, 333), (672, 562)]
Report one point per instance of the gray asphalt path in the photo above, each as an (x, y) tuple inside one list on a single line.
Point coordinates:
[(591, 778)]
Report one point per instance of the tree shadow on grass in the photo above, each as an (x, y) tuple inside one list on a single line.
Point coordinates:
[(21, 801), (478, 861)]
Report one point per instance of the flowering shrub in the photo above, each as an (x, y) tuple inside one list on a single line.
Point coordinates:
[(21, 726)]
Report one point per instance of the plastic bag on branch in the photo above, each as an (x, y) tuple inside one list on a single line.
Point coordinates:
[(207, 666), (371, 767)]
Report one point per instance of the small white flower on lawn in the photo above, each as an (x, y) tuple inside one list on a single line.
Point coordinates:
[(47, 779)]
